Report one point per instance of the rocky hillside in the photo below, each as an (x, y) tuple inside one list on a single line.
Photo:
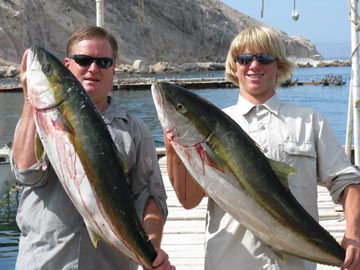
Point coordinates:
[(179, 31)]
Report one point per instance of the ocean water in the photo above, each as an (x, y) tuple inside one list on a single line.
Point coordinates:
[(331, 101)]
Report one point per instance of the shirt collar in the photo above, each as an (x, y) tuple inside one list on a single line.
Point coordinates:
[(112, 111), (273, 104)]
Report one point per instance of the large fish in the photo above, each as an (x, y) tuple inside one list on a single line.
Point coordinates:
[(84, 156), (234, 172)]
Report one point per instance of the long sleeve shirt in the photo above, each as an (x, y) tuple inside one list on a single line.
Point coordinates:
[(53, 233), (295, 135)]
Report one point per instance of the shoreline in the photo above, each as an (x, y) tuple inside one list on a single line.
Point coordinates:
[(127, 80), (10, 70)]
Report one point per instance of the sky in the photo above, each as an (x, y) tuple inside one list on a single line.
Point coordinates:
[(325, 23)]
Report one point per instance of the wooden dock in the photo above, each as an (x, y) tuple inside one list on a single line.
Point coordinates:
[(184, 230), (191, 83), (145, 83)]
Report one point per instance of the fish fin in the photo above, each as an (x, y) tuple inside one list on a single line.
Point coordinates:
[(62, 123), (121, 160), (209, 157), (279, 255), (39, 148), (94, 237), (282, 170)]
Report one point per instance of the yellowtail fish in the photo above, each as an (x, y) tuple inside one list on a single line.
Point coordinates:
[(84, 156), (234, 172)]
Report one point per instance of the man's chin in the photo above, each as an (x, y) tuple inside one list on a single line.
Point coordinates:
[(89, 86)]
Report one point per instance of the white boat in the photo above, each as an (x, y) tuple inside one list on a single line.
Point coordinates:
[(7, 179)]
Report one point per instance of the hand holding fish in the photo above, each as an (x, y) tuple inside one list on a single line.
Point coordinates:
[(23, 73), (351, 240), (352, 259), (23, 153), (162, 262)]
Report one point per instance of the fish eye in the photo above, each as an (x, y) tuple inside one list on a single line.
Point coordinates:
[(46, 68), (180, 107)]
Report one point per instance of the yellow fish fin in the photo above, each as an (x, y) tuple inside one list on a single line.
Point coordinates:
[(39, 148), (94, 237), (62, 123), (279, 255), (282, 170)]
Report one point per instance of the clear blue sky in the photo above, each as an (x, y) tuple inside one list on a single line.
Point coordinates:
[(320, 21)]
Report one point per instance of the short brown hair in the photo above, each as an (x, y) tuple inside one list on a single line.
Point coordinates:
[(260, 39), (89, 32)]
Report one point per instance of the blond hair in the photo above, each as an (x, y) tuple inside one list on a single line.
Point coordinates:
[(259, 39)]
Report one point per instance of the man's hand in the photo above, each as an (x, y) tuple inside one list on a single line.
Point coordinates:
[(162, 262)]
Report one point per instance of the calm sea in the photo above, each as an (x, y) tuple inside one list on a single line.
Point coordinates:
[(331, 101)]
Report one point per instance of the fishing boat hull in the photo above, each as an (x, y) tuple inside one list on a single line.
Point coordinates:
[(7, 179)]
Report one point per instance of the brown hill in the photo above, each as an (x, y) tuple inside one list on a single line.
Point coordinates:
[(179, 31)]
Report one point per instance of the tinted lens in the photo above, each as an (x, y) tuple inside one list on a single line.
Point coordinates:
[(104, 62), (82, 60), (262, 58), (86, 60), (265, 58), (244, 59)]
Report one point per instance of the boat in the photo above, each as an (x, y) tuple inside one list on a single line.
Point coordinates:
[(7, 179)]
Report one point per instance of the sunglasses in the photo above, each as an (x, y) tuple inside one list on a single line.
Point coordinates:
[(86, 60), (262, 58)]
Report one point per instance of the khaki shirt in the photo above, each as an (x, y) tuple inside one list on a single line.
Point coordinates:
[(53, 234), (295, 135)]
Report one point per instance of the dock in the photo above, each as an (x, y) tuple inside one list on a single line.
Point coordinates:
[(145, 83), (193, 83), (141, 83), (184, 231)]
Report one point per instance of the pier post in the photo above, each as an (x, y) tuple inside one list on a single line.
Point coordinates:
[(354, 96)]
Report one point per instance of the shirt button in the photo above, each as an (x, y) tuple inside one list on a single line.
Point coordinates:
[(265, 150)]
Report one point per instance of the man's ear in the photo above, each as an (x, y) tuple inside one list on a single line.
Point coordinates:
[(234, 71), (67, 61)]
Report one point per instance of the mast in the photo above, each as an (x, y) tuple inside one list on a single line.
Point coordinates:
[(100, 13), (354, 96)]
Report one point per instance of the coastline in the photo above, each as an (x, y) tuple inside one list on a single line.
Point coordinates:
[(12, 70), (127, 76)]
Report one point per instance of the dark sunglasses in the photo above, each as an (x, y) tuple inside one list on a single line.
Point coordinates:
[(262, 58), (86, 60)]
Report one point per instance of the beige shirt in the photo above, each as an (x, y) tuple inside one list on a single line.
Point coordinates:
[(295, 135)]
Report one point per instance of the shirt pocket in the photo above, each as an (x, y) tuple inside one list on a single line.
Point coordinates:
[(296, 149), (302, 157)]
